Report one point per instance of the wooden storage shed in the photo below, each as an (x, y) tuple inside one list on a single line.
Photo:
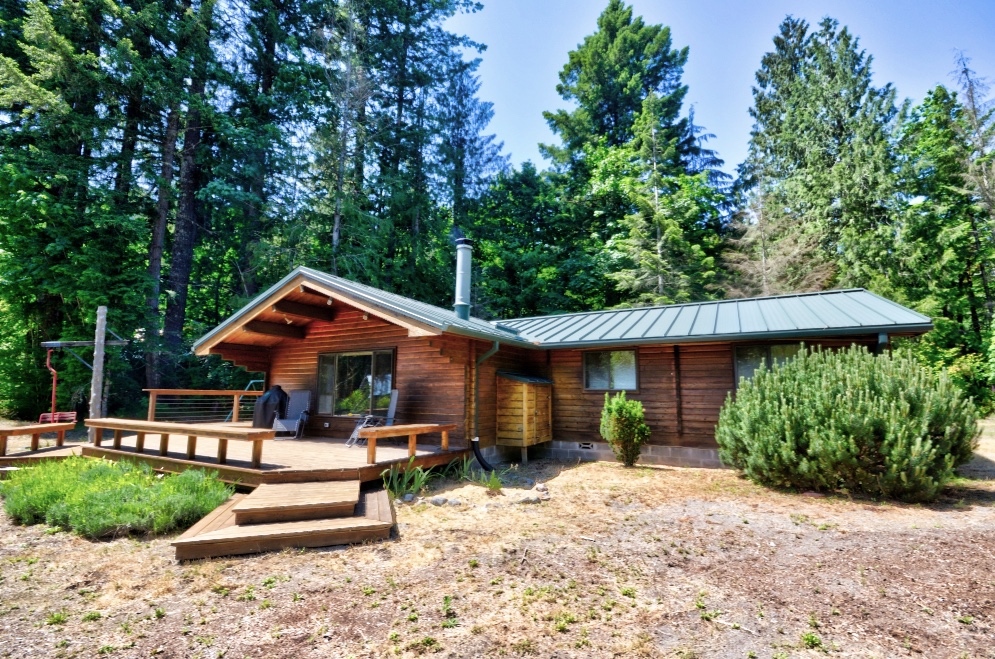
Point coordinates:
[(524, 411)]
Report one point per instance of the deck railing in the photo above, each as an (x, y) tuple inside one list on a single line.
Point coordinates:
[(201, 405)]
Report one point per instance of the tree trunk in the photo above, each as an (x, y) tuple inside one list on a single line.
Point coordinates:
[(168, 154), (185, 227)]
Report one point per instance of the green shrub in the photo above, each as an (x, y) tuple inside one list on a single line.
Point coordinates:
[(623, 428), (399, 481), (99, 499), (827, 420)]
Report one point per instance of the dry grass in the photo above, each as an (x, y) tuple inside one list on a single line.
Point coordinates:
[(645, 562)]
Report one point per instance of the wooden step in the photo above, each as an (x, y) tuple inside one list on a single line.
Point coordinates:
[(372, 520), (289, 502)]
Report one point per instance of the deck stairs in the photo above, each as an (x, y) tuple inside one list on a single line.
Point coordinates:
[(278, 516)]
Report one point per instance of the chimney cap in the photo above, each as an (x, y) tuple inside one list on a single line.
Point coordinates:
[(464, 241)]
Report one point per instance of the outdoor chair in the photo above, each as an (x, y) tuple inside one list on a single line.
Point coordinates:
[(371, 421), (298, 407)]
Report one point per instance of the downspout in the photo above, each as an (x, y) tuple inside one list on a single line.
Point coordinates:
[(476, 408)]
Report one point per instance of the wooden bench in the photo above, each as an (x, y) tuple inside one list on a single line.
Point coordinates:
[(35, 430), (411, 430), (192, 430)]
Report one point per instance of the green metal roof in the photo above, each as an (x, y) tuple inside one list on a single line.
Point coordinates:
[(520, 377), (827, 313)]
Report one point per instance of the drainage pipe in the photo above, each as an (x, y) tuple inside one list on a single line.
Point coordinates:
[(476, 409)]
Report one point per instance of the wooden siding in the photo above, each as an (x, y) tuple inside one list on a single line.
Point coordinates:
[(508, 358), (429, 372), (682, 389), (524, 413)]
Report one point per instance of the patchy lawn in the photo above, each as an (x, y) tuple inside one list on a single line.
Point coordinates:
[(645, 562)]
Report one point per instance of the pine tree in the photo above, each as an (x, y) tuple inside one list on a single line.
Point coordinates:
[(821, 147), (609, 76)]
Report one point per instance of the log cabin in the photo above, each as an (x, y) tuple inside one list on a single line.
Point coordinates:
[(534, 384)]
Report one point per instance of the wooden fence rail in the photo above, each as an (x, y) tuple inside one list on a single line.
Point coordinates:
[(235, 395)]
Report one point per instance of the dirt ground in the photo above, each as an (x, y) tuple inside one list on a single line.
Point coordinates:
[(645, 562)]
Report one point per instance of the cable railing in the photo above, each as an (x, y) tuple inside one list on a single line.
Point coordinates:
[(201, 405)]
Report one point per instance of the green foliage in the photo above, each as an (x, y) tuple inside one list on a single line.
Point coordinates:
[(409, 479), (882, 426), (99, 499), (623, 428)]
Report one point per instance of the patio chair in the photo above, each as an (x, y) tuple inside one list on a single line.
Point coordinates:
[(298, 408), (371, 421)]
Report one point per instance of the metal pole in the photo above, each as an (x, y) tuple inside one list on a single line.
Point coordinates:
[(97, 383)]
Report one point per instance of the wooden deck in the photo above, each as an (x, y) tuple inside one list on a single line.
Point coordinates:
[(286, 502), (285, 461), (27, 457), (218, 534)]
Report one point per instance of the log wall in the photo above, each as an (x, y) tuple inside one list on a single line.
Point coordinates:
[(430, 373), (682, 388)]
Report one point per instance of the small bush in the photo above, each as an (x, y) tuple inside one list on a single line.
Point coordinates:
[(884, 425), (623, 428), (98, 499)]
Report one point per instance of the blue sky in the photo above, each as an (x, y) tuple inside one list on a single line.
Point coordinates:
[(913, 44)]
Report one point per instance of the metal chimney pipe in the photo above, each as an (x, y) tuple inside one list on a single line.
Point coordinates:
[(464, 258)]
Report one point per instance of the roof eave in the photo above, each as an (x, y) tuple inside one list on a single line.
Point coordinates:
[(510, 340), (748, 336), (203, 345)]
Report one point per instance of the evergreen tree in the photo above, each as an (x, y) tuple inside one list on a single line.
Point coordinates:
[(533, 256), (821, 148), (609, 76)]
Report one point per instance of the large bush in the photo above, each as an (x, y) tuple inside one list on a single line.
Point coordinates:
[(99, 499), (623, 428), (884, 425)]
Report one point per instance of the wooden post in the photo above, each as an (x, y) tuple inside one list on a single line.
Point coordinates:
[(140, 442), (257, 454), (412, 445), (234, 410), (117, 440), (3, 445), (191, 447), (163, 443), (97, 381), (678, 399), (222, 451), (153, 396), (371, 450), (60, 438), (34, 440), (445, 440), (525, 414)]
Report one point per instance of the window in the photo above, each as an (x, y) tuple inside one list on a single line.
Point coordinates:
[(610, 370), (751, 358), (355, 383)]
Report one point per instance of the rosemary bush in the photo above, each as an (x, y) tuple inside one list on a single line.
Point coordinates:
[(99, 499)]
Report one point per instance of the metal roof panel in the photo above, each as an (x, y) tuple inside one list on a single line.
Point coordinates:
[(704, 323)]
